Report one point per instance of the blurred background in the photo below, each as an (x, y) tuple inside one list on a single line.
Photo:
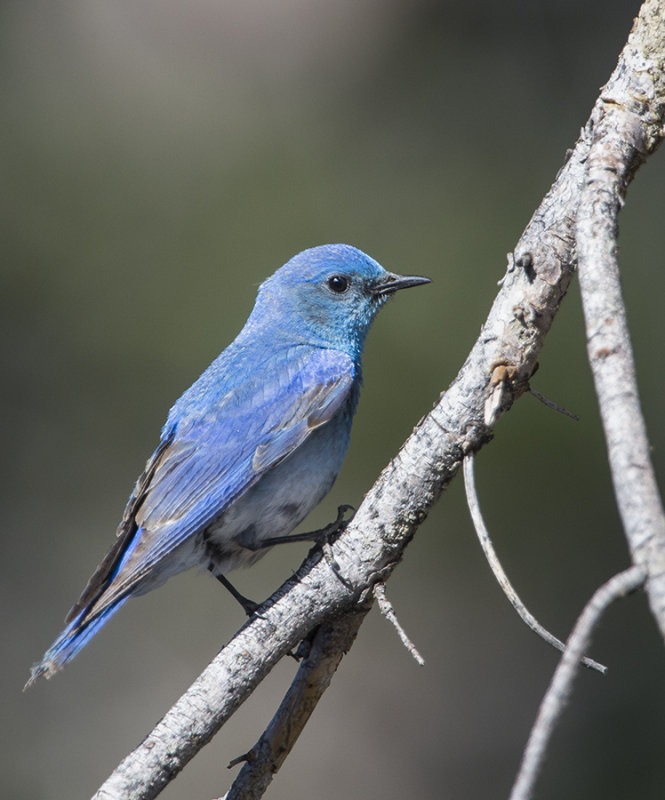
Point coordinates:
[(159, 160)]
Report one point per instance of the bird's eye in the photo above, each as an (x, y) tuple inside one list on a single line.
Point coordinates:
[(338, 283)]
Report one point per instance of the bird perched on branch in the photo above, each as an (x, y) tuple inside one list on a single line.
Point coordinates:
[(252, 446)]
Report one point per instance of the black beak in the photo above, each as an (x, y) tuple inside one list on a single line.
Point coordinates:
[(394, 282)]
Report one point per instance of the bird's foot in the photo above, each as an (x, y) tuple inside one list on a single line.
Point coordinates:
[(327, 535)]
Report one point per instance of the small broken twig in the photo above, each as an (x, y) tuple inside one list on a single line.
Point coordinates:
[(499, 573), (551, 404), (560, 687), (386, 608)]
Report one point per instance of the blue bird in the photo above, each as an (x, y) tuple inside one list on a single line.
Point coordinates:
[(252, 446)]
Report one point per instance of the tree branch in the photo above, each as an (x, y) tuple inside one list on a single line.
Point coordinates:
[(494, 375), (329, 645), (621, 135)]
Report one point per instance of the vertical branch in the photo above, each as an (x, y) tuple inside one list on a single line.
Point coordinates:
[(619, 143)]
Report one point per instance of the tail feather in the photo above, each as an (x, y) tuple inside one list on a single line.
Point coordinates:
[(74, 637)]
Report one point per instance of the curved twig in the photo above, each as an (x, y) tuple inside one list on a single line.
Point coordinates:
[(560, 687), (499, 573)]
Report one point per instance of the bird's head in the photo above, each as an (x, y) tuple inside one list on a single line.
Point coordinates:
[(328, 296)]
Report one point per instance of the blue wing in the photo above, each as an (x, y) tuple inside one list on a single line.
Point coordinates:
[(215, 445), (212, 456)]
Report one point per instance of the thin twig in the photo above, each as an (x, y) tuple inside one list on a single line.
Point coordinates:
[(386, 608), (560, 687), (497, 569), (551, 404)]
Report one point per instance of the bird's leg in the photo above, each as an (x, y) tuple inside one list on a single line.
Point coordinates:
[(322, 536), (249, 606)]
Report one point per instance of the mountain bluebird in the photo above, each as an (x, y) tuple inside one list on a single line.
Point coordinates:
[(253, 445)]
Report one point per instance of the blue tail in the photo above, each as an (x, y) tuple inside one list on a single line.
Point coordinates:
[(74, 637)]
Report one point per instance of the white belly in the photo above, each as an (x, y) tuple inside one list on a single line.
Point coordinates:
[(277, 503)]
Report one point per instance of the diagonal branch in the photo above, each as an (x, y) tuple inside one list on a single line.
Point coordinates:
[(494, 375), (332, 640), (371, 546)]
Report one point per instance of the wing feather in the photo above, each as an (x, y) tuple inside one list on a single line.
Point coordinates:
[(207, 460)]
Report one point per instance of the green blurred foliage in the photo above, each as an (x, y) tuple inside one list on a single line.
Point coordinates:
[(160, 160)]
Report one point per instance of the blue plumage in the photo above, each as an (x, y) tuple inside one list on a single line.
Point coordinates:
[(253, 445)]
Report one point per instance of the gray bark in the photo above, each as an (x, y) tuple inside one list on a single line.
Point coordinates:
[(625, 126)]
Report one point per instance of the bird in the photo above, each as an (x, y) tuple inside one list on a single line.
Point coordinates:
[(252, 446)]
